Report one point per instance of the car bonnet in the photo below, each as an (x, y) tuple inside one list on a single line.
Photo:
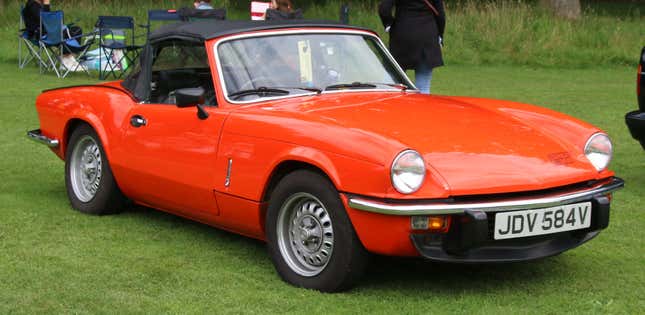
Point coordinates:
[(477, 146)]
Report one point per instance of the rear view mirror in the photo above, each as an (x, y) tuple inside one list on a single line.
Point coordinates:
[(192, 97)]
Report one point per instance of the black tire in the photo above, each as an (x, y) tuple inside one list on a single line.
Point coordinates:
[(348, 258), (107, 198)]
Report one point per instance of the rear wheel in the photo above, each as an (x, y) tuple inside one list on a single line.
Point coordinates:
[(90, 185), (311, 240)]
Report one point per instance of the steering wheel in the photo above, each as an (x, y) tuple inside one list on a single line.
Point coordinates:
[(329, 76)]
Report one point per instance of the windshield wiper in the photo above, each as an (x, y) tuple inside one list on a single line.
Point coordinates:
[(261, 92), (310, 89), (354, 85)]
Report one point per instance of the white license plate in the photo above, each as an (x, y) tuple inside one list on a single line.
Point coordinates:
[(525, 223)]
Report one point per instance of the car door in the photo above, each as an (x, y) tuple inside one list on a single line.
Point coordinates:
[(171, 151)]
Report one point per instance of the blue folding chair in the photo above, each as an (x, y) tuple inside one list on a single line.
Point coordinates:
[(31, 44), (158, 15), (58, 42), (113, 39)]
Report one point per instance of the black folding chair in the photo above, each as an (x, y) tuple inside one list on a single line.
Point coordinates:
[(191, 14), (31, 44), (277, 15), (161, 16), (113, 43)]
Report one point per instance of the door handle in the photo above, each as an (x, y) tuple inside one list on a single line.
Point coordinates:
[(138, 121)]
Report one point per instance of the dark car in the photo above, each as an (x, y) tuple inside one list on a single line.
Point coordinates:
[(636, 119)]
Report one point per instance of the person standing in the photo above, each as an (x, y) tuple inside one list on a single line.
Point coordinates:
[(416, 36)]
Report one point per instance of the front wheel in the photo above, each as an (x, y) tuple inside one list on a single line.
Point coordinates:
[(311, 240), (90, 185)]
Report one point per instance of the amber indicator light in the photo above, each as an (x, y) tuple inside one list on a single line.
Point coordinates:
[(436, 224)]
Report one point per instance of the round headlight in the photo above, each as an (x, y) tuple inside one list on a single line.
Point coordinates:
[(599, 151), (408, 172)]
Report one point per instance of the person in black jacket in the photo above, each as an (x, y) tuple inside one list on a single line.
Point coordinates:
[(416, 35), (31, 15)]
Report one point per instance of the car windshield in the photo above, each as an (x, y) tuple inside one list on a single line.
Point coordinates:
[(286, 65)]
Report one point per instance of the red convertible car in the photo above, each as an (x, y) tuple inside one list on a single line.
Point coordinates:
[(309, 136)]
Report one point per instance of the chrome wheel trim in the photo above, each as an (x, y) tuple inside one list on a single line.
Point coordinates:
[(85, 168), (305, 234)]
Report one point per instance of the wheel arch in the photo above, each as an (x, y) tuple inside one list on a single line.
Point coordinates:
[(346, 174), (286, 167), (73, 123)]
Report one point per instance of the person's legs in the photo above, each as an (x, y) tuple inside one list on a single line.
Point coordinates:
[(423, 77)]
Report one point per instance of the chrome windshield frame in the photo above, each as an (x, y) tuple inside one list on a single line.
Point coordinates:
[(379, 42)]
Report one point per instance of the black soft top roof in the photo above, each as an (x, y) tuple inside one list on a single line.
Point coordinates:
[(205, 30)]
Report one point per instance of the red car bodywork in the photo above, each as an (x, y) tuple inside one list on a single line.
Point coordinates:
[(179, 164)]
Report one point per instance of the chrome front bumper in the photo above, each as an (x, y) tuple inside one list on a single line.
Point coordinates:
[(38, 136), (428, 207)]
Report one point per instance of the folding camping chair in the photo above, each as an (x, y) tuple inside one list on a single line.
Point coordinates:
[(114, 46), (160, 16), (276, 15), (33, 52), (55, 44), (190, 14)]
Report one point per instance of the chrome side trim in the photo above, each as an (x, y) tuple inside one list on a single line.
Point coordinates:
[(37, 136), (227, 181), (545, 201)]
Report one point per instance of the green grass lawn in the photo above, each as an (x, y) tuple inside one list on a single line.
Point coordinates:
[(56, 260)]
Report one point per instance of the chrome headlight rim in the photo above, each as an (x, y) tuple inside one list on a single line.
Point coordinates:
[(610, 153), (398, 158)]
